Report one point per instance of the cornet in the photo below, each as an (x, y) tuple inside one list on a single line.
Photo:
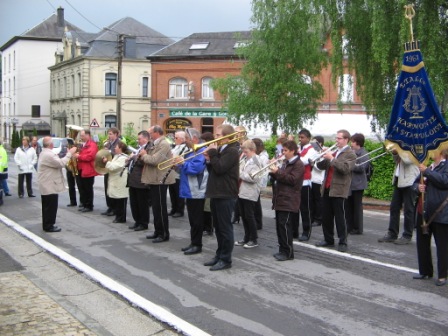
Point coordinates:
[(265, 170), (319, 156)]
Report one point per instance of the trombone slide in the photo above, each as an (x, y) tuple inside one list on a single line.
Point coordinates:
[(265, 170)]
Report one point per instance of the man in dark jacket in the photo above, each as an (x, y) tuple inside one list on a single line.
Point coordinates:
[(287, 189), (222, 189), (139, 193), (338, 168)]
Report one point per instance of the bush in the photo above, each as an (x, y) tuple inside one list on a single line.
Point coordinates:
[(380, 186)]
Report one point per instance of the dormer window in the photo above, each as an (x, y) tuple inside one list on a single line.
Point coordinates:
[(199, 46)]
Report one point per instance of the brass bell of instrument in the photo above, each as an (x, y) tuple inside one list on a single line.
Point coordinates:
[(99, 165)]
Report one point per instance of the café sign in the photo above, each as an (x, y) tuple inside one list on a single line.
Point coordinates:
[(198, 113)]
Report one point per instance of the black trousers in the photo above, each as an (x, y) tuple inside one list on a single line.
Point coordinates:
[(355, 215), (440, 233), (29, 184), (71, 181), (140, 200), (195, 208), (405, 197), (177, 203), (119, 205), (85, 187), (306, 210), (317, 203), (109, 202), (159, 210), (283, 225), (259, 214), (334, 213), (222, 209), (49, 210), (247, 212)]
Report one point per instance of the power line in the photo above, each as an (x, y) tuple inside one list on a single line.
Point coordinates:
[(82, 15)]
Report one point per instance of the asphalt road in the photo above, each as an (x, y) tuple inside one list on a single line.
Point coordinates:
[(367, 291)]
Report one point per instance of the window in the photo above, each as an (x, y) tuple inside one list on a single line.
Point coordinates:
[(207, 91), (346, 88), (178, 88), (79, 86), (344, 46), (199, 46), (14, 86), (73, 86), (110, 121), (14, 60), (145, 82), (207, 125), (35, 111), (111, 84)]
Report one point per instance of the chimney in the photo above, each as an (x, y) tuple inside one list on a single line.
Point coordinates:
[(61, 21)]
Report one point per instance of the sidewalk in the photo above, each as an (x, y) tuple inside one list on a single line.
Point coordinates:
[(40, 295)]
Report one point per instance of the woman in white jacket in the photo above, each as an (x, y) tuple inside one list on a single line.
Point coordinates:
[(25, 159), (248, 194), (118, 176)]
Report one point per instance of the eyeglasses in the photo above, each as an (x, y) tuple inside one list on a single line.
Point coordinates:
[(338, 138)]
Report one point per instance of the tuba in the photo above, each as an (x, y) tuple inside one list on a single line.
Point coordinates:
[(73, 131)]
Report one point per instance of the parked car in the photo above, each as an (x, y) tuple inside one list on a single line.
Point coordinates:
[(60, 145)]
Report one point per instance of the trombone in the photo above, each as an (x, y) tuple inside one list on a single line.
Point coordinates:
[(387, 150), (234, 137), (265, 170), (171, 162)]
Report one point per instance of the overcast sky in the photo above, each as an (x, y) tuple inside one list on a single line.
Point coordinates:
[(173, 18)]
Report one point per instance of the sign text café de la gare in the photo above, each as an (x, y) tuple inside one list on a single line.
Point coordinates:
[(203, 120)]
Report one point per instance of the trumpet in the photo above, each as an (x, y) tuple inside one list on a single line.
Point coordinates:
[(265, 170), (319, 156), (234, 137), (387, 149)]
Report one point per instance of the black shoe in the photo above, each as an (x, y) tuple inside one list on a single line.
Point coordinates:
[(8, 194), (140, 228), (81, 208), (355, 232), (177, 214), (235, 220), (441, 282), (20, 196), (304, 237), (421, 277), (324, 243), (54, 229), (212, 262), (31, 195), (342, 247), (207, 233), (388, 238), (133, 226), (108, 213), (220, 265), (118, 221), (183, 249), (282, 257), (152, 236), (86, 210), (172, 212), (193, 250), (72, 205), (316, 224), (81, 205), (160, 240)]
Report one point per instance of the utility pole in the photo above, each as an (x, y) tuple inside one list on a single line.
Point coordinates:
[(120, 47)]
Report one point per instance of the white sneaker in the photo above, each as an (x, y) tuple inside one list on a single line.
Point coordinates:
[(250, 244), (240, 243)]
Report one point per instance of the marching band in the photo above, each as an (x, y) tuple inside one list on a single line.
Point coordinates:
[(219, 177)]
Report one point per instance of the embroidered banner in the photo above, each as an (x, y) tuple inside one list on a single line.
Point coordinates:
[(416, 127)]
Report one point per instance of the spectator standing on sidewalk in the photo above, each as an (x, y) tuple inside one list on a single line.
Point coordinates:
[(4, 170), (25, 158)]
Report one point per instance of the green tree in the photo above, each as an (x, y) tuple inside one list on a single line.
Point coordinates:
[(375, 32), (284, 55)]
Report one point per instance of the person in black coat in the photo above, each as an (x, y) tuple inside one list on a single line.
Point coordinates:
[(435, 187), (222, 189), (139, 193)]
